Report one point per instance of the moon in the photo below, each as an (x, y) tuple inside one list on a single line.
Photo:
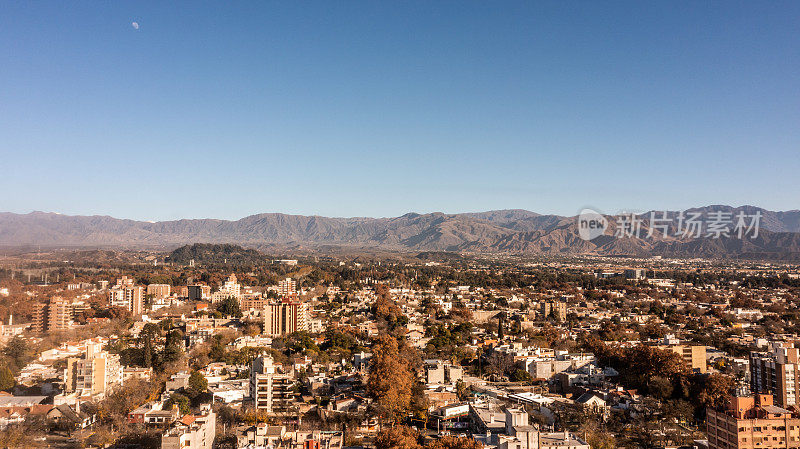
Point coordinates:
[(135, 25)]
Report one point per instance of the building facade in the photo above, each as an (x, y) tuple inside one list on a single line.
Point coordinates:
[(553, 309), (693, 355), (55, 315), (752, 422), (270, 389), (287, 288), (230, 288), (97, 373), (285, 317), (776, 372), (127, 295), (159, 290), (192, 431)]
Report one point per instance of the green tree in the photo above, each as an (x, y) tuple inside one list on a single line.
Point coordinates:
[(147, 352), (229, 307), (520, 375), (174, 346), (7, 381), (197, 384), (180, 400), (18, 352)]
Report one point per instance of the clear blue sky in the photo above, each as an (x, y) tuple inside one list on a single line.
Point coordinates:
[(379, 108)]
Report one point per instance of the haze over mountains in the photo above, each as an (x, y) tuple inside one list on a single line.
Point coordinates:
[(504, 231)]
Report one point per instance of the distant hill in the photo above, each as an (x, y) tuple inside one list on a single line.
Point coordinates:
[(210, 253), (503, 231)]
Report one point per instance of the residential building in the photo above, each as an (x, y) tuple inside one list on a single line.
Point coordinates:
[(287, 287), (438, 372), (230, 288), (693, 355), (127, 295), (96, 373), (749, 422), (270, 389), (159, 290), (198, 292), (777, 372), (634, 274), (285, 317), (553, 310), (192, 431), (55, 315)]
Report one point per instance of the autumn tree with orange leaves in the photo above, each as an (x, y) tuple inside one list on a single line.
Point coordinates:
[(391, 379), (403, 437)]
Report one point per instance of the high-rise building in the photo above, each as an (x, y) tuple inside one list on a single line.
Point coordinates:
[(752, 422), (55, 315), (287, 287), (97, 372), (270, 389), (127, 295), (231, 288), (777, 372), (554, 309), (285, 317), (198, 292), (634, 273), (159, 290)]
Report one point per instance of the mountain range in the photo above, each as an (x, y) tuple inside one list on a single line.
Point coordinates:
[(515, 231)]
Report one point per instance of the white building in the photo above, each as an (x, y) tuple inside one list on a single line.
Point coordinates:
[(94, 374), (192, 431), (230, 288)]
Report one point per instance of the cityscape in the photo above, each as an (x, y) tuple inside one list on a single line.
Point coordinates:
[(400, 225)]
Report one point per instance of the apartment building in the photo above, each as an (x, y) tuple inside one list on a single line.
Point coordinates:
[(55, 315), (192, 431), (287, 287), (693, 355), (230, 288), (553, 309), (438, 372), (777, 371), (127, 295), (159, 290), (749, 422), (270, 389), (285, 317), (96, 373), (198, 292)]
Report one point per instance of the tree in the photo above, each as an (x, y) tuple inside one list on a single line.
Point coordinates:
[(660, 387), (7, 381), (462, 390), (180, 400), (15, 437), (597, 438), (229, 307), (197, 384), (173, 348), (520, 375), (451, 442), (711, 390), (398, 437), (123, 400), (390, 379), (18, 352), (147, 352)]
